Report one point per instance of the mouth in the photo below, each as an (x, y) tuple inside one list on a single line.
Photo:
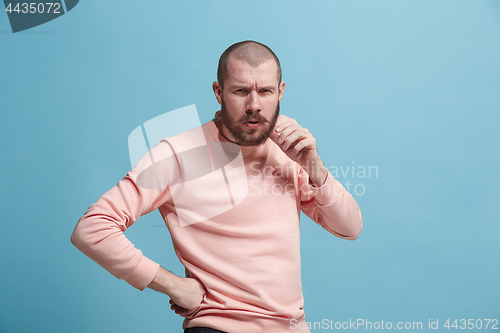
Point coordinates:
[(252, 123)]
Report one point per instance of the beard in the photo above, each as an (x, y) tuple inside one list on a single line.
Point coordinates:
[(245, 136)]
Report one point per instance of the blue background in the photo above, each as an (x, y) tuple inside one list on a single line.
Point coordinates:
[(411, 87)]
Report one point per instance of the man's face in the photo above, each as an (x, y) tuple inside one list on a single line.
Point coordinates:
[(249, 101), (239, 130)]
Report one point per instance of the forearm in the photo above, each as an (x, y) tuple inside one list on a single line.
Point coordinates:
[(331, 206), (99, 233), (165, 282), (103, 241), (343, 217)]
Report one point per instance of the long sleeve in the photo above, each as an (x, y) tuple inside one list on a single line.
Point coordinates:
[(99, 232), (331, 206)]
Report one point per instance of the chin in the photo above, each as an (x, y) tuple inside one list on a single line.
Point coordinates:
[(254, 141)]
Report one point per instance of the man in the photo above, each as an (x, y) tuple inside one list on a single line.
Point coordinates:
[(242, 265)]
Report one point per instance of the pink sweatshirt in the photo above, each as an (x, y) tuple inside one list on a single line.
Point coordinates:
[(235, 228)]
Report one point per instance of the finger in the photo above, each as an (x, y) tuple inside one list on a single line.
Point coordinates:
[(282, 126), (291, 129), (303, 144), (283, 123), (181, 311), (291, 150), (292, 139), (178, 310), (274, 136), (285, 133)]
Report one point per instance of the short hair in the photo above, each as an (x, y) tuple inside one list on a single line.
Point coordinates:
[(248, 51)]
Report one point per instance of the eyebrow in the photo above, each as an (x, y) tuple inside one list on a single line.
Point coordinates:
[(268, 87), (242, 86)]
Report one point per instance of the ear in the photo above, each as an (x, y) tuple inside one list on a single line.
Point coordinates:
[(217, 91), (281, 90)]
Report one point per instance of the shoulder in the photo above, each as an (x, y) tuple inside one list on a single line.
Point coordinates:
[(190, 139)]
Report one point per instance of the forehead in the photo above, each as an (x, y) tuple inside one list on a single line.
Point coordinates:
[(240, 72)]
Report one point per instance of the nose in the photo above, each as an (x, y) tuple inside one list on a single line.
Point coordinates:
[(253, 104)]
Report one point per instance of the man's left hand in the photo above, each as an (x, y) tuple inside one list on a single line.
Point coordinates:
[(300, 146)]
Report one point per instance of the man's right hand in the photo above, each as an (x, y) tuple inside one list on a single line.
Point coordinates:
[(186, 294)]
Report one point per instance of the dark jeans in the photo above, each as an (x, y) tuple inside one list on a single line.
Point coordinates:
[(201, 330)]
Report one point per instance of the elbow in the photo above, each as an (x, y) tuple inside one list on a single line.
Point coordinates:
[(76, 238), (355, 234), (79, 239), (359, 224), (349, 229), (351, 234), (353, 238)]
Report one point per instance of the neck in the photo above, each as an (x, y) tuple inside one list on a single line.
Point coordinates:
[(220, 126)]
